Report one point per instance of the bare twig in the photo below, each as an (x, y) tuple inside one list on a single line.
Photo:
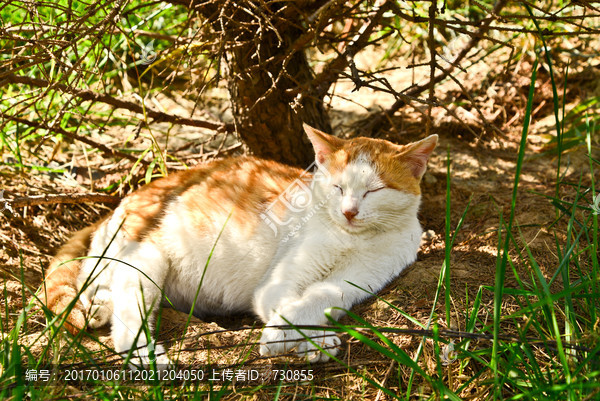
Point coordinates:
[(385, 378), (375, 124), (432, 64), (23, 201), (253, 29), (324, 80)]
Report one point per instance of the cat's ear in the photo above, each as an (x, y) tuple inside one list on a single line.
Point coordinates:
[(416, 154), (323, 144)]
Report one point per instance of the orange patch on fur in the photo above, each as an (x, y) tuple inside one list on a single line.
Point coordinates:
[(243, 186)]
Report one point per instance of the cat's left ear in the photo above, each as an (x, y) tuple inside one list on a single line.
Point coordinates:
[(416, 154), (323, 144)]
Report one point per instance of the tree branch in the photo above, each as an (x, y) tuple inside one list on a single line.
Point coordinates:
[(23, 201), (103, 148), (118, 103), (325, 79)]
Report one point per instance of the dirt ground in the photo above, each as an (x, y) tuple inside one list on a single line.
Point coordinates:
[(483, 169)]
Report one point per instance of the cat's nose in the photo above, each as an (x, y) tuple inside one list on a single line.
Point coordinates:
[(350, 213)]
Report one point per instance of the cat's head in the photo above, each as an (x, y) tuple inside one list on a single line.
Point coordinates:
[(371, 184)]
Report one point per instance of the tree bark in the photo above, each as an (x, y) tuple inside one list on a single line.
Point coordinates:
[(261, 65)]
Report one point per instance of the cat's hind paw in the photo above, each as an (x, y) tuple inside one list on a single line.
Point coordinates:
[(141, 359), (99, 308), (99, 316)]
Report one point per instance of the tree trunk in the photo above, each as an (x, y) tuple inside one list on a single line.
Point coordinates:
[(269, 121)]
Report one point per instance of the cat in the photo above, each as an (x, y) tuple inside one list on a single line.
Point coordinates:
[(249, 235)]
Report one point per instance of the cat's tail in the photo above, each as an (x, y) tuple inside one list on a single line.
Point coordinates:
[(60, 285)]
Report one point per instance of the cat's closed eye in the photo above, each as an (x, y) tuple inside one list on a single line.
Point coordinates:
[(340, 188), (373, 190)]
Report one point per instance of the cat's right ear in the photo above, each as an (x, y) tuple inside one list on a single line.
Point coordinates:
[(323, 144)]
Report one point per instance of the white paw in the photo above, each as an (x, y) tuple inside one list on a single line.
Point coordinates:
[(141, 359), (275, 341), (99, 315), (99, 308), (326, 340)]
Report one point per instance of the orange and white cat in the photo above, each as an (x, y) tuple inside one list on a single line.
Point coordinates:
[(250, 235)]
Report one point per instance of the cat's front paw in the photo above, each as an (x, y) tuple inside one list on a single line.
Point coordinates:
[(324, 344), (276, 341)]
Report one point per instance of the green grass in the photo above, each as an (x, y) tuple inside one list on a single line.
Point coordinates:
[(554, 354)]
